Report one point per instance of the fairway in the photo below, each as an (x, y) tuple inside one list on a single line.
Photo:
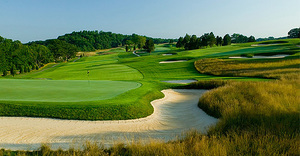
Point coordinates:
[(62, 90), (120, 85), (104, 67)]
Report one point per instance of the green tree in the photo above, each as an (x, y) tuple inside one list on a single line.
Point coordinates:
[(251, 39), (294, 33), (204, 40), (193, 43), (186, 41), (142, 41), (219, 41), (239, 38), (129, 43), (226, 40), (211, 39), (149, 46), (13, 70), (179, 43), (62, 50)]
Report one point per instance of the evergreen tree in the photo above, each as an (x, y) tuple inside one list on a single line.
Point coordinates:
[(186, 41), (219, 41), (226, 40), (193, 43), (251, 39), (179, 43), (211, 39), (204, 40)]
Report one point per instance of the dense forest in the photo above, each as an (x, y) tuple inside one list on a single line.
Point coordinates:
[(16, 57), (209, 39), (93, 40)]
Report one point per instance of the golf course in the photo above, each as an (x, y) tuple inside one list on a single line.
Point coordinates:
[(113, 96), (116, 86)]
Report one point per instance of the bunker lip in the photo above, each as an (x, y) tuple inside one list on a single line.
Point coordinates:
[(173, 61), (266, 57), (175, 113), (167, 54), (181, 81), (255, 45)]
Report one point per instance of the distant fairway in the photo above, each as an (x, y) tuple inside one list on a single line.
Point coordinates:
[(104, 67), (122, 85), (62, 90)]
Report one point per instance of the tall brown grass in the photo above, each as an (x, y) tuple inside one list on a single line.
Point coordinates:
[(256, 118), (265, 68)]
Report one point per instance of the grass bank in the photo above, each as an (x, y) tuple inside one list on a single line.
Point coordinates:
[(256, 118)]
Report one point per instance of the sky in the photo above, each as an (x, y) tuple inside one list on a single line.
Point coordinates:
[(32, 20)]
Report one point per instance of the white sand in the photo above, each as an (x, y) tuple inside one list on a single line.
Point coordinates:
[(255, 45), (175, 113), (181, 81), (265, 57), (167, 54), (172, 61)]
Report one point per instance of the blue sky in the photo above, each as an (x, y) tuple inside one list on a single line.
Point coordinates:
[(30, 20)]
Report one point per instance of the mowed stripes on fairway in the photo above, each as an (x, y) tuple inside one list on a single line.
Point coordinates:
[(62, 90), (104, 67)]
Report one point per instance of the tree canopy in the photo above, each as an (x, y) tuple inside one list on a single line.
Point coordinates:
[(149, 45), (206, 40), (294, 33), (16, 57)]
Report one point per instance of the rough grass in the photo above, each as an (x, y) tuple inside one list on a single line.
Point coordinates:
[(264, 68), (256, 118)]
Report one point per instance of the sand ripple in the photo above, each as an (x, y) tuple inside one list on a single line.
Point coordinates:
[(173, 114)]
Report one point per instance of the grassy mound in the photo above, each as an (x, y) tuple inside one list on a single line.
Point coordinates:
[(256, 118)]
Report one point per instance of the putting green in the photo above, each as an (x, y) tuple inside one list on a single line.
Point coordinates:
[(62, 90)]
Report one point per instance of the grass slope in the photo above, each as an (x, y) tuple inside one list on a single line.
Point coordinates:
[(256, 118), (103, 67), (117, 65)]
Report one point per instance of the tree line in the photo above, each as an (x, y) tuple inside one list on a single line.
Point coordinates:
[(16, 57), (94, 40), (209, 40)]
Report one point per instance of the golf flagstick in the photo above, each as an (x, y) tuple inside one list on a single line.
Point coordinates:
[(88, 73)]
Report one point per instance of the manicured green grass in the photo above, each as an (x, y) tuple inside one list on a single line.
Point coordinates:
[(62, 90), (256, 118), (104, 67), (117, 66)]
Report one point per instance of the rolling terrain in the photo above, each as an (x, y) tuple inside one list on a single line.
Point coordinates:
[(254, 107)]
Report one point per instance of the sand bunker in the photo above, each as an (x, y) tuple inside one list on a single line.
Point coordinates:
[(175, 113), (266, 57), (167, 54), (172, 61), (255, 45), (181, 81)]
